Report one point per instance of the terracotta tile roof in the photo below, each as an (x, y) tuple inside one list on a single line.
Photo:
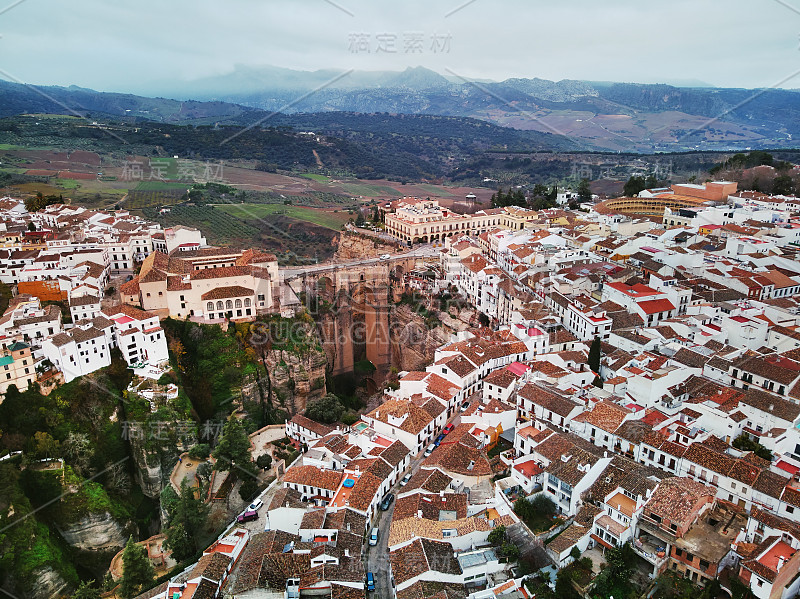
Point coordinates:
[(432, 480), (311, 425), (422, 556), (364, 491), (605, 415), (226, 292), (675, 498), (314, 477), (414, 418), (212, 566)]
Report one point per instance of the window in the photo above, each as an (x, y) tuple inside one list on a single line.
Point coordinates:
[(210, 306), (238, 303), (247, 302)]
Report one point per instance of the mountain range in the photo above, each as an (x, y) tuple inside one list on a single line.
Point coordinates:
[(604, 116)]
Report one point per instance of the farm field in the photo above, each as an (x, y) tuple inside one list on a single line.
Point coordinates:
[(328, 219)]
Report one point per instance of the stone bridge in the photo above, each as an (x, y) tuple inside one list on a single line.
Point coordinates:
[(351, 303)]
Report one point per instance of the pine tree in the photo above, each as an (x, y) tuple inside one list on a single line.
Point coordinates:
[(187, 518), (137, 571), (594, 356), (86, 591)]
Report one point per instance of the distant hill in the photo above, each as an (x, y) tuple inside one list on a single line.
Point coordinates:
[(603, 116)]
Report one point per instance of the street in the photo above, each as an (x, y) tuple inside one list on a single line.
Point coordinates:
[(377, 557)]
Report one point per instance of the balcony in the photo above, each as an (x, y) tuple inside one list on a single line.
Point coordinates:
[(655, 530), (651, 549)]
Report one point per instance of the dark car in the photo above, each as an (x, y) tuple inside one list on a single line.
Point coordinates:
[(448, 429), (247, 516), (387, 501), (439, 440)]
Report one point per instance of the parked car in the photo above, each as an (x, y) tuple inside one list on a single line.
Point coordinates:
[(373, 537), (387, 501), (438, 440), (464, 406), (448, 429), (386, 257), (247, 516), (429, 450), (405, 479), (256, 505), (369, 583)]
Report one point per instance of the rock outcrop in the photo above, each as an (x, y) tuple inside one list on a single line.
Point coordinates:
[(48, 583), (294, 379), (95, 532), (359, 245), (414, 343)]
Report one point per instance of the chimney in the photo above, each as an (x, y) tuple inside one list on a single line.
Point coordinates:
[(419, 514), (348, 527), (781, 560)]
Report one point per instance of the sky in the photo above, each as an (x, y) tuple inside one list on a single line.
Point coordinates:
[(144, 46)]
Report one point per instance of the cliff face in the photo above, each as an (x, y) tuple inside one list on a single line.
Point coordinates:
[(353, 246), (413, 343), (154, 465), (95, 532), (294, 378), (49, 583)]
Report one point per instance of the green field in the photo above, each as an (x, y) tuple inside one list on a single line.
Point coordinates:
[(10, 147), (329, 220), (168, 167), (435, 190), (315, 177), (67, 183)]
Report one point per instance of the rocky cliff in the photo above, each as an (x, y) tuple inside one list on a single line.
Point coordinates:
[(154, 463), (414, 342), (295, 378), (95, 532), (359, 245), (48, 583)]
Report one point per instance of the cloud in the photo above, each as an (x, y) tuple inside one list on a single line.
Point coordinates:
[(138, 47)]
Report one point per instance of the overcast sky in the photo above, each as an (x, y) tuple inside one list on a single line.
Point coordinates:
[(133, 46)]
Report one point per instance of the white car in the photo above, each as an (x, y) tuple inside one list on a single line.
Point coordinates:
[(405, 480), (386, 257), (255, 506), (430, 449), (373, 537)]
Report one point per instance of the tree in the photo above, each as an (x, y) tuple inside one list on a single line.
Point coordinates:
[(248, 488), (31, 226), (497, 536), (326, 409), (264, 461), (595, 355), (783, 185), (584, 191), (137, 571), (188, 517), (360, 219), (634, 186), (86, 591), (200, 451), (575, 553), (233, 447), (510, 551), (46, 445), (204, 471)]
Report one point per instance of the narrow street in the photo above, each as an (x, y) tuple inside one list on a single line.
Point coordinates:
[(377, 557), (377, 560)]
